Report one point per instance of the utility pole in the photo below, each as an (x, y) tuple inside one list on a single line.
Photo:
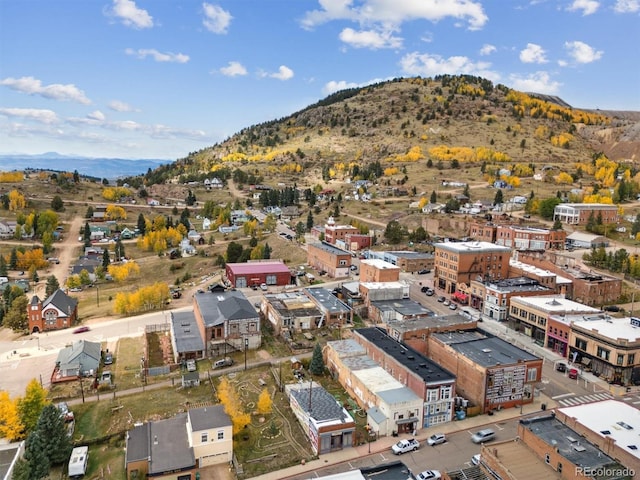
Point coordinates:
[(246, 345)]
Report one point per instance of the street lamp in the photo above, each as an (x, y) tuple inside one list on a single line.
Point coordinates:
[(246, 345)]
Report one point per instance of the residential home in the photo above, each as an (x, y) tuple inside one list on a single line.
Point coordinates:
[(186, 340), (7, 228), (56, 312), (152, 202), (176, 447), (226, 320), (81, 359), (291, 312), (99, 213)]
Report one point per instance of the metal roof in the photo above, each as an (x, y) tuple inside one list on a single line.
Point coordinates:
[(186, 332)]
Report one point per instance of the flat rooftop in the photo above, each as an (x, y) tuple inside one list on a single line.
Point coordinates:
[(471, 247), (404, 307), (553, 303), (379, 264), (614, 328), (483, 349), (567, 442), (327, 300), (521, 462), (426, 368), (517, 284), (610, 418), (327, 247), (431, 322), (258, 267), (293, 304)]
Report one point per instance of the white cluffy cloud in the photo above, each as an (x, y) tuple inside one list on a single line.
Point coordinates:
[(626, 6), (130, 15), (370, 39), (533, 54), (216, 19), (582, 53), (429, 65), (283, 73), (35, 114), (539, 82), (487, 49), (55, 91), (234, 69), (143, 53), (588, 7), (393, 12), (119, 106)]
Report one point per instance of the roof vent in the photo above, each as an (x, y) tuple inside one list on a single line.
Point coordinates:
[(486, 350)]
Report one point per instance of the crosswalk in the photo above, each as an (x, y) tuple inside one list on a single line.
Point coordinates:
[(594, 397)]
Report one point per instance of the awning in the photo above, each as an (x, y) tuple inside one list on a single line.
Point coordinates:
[(460, 295), (586, 361), (406, 420)]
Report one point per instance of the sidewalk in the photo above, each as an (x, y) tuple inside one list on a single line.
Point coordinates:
[(384, 444)]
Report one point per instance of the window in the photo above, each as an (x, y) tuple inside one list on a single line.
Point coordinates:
[(271, 280), (620, 360), (532, 374), (445, 393), (603, 353), (631, 359), (220, 434), (547, 458), (432, 395), (559, 467), (581, 344), (204, 438)]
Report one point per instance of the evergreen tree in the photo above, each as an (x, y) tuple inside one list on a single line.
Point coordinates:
[(86, 234), (266, 252), (51, 428), (557, 224), (13, 259), (3, 266), (499, 198), (89, 213), (57, 204), (433, 198), (36, 457), (52, 286), (635, 228), (234, 252), (309, 221), (142, 224), (253, 242), (316, 366), (106, 258)]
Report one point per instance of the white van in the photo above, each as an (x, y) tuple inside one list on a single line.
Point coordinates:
[(78, 462), (4, 280)]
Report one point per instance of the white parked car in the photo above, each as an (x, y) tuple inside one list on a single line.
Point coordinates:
[(429, 475), (404, 446), (475, 460)]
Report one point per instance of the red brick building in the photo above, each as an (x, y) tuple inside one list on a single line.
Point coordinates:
[(56, 312), (273, 272), (325, 257)]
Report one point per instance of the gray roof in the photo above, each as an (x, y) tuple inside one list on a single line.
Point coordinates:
[(327, 247), (397, 395), (431, 322), (516, 284), (569, 443), (85, 263), (164, 443), (426, 368), (404, 307), (81, 354), (205, 418), (376, 415), (186, 333), (483, 349), (61, 301), (328, 301), (324, 406), (220, 306)]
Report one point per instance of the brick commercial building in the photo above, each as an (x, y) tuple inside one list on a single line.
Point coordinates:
[(376, 270), (407, 261), (327, 258), (249, 274), (528, 238), (581, 213), (492, 374), (460, 262), (435, 385)]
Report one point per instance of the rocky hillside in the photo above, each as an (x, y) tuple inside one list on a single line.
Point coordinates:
[(418, 116)]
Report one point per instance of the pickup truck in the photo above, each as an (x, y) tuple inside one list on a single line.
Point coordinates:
[(404, 446)]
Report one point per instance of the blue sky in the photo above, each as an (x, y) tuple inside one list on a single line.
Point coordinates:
[(162, 78)]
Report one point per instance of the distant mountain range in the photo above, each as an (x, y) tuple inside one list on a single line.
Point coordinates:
[(109, 168)]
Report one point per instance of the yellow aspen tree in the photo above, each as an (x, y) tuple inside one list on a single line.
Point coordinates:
[(10, 425), (265, 403), (16, 201)]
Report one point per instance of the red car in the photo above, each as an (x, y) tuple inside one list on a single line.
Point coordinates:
[(81, 329), (573, 373)]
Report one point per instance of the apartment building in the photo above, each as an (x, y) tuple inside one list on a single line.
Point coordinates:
[(579, 213), (529, 238), (460, 262)]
